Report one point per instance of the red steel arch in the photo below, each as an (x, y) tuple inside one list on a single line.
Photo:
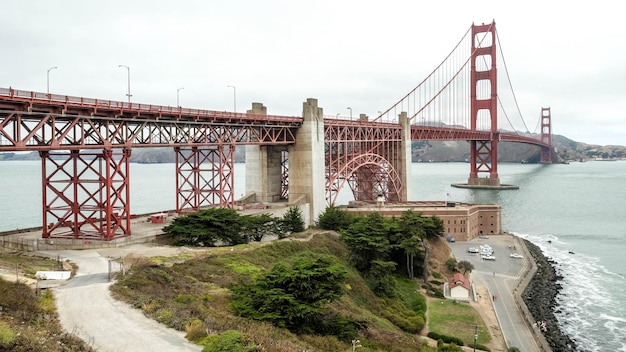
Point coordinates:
[(369, 176)]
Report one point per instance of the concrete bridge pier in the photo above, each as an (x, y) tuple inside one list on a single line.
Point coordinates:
[(264, 167), (405, 158), (306, 162)]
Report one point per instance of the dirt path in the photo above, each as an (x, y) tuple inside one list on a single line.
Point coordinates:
[(87, 309)]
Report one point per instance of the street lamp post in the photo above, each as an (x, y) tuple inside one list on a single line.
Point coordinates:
[(48, 79), (178, 96), (349, 108), (234, 97), (128, 70), (475, 336)]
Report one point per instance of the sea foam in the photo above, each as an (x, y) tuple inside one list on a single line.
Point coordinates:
[(586, 310)]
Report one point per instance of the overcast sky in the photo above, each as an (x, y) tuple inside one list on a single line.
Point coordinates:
[(359, 54)]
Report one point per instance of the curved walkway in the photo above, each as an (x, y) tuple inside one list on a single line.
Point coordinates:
[(87, 309)]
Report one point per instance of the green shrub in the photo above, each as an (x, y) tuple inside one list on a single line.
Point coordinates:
[(447, 339), (291, 222), (293, 293), (7, 336), (228, 341), (438, 293), (46, 302), (184, 299), (419, 304), (164, 316), (405, 319), (451, 264), (483, 347), (333, 218)]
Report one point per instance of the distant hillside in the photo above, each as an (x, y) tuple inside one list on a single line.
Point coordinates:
[(436, 151), (138, 155), (565, 150)]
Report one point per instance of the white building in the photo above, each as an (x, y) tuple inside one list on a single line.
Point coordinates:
[(459, 287)]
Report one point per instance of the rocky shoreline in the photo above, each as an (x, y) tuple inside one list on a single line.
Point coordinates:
[(540, 298)]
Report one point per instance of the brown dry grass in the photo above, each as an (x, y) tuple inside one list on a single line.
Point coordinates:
[(28, 319)]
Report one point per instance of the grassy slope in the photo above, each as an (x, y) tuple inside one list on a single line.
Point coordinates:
[(192, 296), (189, 293), (196, 289), (462, 326)]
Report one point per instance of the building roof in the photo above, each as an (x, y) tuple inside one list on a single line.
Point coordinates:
[(458, 280)]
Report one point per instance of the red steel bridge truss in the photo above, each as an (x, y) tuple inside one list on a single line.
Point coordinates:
[(85, 147)]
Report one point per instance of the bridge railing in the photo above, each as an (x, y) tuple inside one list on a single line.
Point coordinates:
[(100, 104)]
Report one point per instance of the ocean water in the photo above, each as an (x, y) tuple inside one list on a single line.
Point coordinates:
[(575, 213)]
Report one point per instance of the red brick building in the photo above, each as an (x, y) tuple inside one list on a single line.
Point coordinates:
[(461, 221)]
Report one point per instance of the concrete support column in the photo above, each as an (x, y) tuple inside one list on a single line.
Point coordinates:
[(263, 167), (404, 167), (306, 161)]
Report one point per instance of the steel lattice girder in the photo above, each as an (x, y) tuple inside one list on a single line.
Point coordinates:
[(284, 179), (86, 195), (205, 177), (20, 131), (41, 131), (483, 155)]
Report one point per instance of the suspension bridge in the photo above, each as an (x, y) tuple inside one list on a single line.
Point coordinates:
[(85, 145)]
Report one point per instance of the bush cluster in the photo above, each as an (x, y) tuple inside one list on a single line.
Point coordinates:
[(445, 338), (224, 226)]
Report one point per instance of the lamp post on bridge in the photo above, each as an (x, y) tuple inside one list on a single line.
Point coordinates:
[(128, 70), (349, 108), (234, 97), (178, 96), (48, 80)]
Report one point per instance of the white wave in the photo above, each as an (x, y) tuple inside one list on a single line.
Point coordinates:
[(586, 309)]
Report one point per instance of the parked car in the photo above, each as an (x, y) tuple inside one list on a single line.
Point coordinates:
[(488, 257), (472, 250), (517, 256), (486, 250)]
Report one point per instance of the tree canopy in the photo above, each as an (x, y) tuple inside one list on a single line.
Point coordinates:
[(293, 294), (381, 246), (224, 226)]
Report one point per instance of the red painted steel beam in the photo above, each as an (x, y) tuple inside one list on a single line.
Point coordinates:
[(205, 177), (86, 195), (21, 131), (52, 103)]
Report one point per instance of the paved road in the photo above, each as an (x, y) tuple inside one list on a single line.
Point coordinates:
[(87, 309), (501, 277)]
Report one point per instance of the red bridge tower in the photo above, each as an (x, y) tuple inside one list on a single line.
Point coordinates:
[(484, 154)]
